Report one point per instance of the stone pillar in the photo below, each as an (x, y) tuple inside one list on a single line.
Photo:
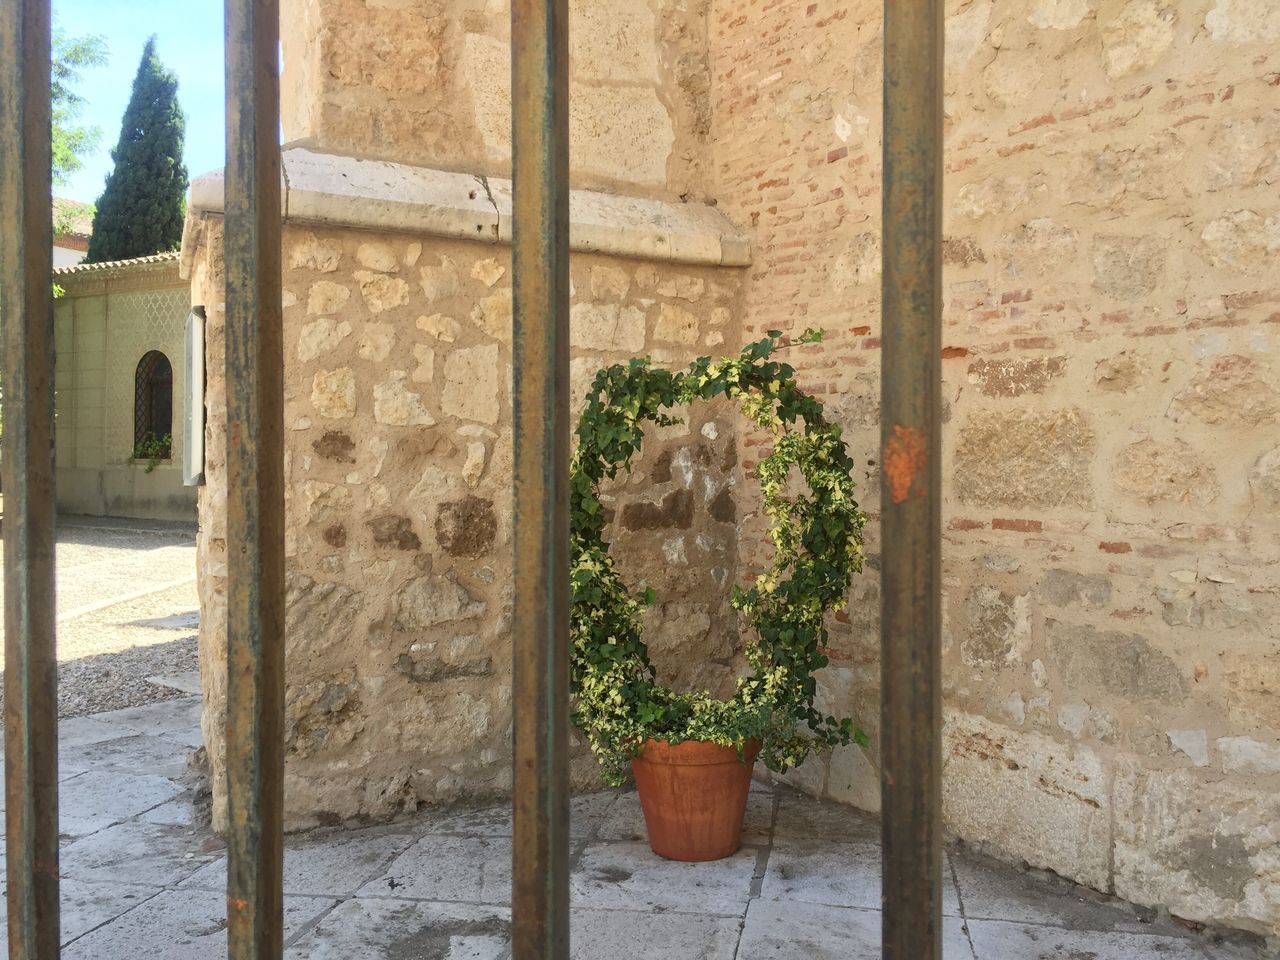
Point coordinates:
[(397, 314)]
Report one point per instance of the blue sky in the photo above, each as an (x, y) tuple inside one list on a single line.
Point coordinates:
[(189, 42)]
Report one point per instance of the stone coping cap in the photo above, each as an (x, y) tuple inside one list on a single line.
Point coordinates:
[(116, 267), (327, 189)]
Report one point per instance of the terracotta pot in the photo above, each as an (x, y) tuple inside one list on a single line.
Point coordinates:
[(694, 796)]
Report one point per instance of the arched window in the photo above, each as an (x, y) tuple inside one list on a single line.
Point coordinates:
[(153, 407)]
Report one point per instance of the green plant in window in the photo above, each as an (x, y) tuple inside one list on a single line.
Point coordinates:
[(817, 538), (153, 449)]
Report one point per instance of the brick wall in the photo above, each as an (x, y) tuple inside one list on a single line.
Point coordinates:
[(1112, 399)]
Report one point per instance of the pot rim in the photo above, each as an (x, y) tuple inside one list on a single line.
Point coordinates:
[(698, 752)]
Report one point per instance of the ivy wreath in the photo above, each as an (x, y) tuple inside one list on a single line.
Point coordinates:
[(817, 539)]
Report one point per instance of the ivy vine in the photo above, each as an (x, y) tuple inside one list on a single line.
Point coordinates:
[(817, 540)]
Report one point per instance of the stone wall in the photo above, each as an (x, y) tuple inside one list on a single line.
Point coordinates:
[(398, 476), (1112, 403), (110, 316), (430, 82)]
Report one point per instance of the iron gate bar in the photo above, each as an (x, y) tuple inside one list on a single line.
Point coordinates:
[(26, 312), (255, 484), (911, 524), (540, 355)]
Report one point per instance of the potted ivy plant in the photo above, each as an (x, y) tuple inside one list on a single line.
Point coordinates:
[(692, 753)]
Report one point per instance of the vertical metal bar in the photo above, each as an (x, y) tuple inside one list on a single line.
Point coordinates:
[(540, 352), (911, 527), (26, 311), (255, 484)]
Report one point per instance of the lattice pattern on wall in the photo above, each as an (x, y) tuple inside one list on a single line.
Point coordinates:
[(136, 323)]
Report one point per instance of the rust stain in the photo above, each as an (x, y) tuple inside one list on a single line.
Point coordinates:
[(904, 457), (237, 904)]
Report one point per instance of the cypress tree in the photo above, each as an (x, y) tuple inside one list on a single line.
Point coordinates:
[(143, 204)]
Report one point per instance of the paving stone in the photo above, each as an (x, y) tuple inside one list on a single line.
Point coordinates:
[(991, 890), (335, 866), (179, 812), (788, 930), (839, 874), (611, 934), (99, 798), (132, 754), (625, 820), (369, 929), (630, 876), (468, 869), (88, 905), (997, 940), (803, 816), (78, 731), (185, 924), (586, 811), (135, 852), (176, 720)]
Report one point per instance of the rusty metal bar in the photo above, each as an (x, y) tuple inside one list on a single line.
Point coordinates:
[(26, 312), (540, 353), (911, 525), (255, 484)]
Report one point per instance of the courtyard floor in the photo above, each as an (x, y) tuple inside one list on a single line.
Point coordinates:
[(143, 878)]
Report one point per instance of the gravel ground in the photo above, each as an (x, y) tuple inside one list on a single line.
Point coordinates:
[(127, 611)]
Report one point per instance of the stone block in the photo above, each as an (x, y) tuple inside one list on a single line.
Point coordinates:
[(378, 256), (381, 292), (492, 314), (1206, 850), (1125, 665), (326, 296), (1230, 389), (1243, 21), (320, 336), (1172, 471), (434, 600), (1138, 36), (1064, 588), (377, 340), (467, 527), (1024, 458), (607, 326), (1028, 796), (1013, 378), (1249, 757), (676, 325), (1128, 268), (998, 628), (395, 404), (309, 252), (1264, 479), (333, 393), (1243, 241), (1058, 14), (472, 383)]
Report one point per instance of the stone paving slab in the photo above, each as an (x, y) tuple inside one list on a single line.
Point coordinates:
[(176, 720), (436, 886), (838, 874), (180, 925), (791, 930), (998, 940), (630, 876), (361, 929), (447, 868), (335, 866)]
